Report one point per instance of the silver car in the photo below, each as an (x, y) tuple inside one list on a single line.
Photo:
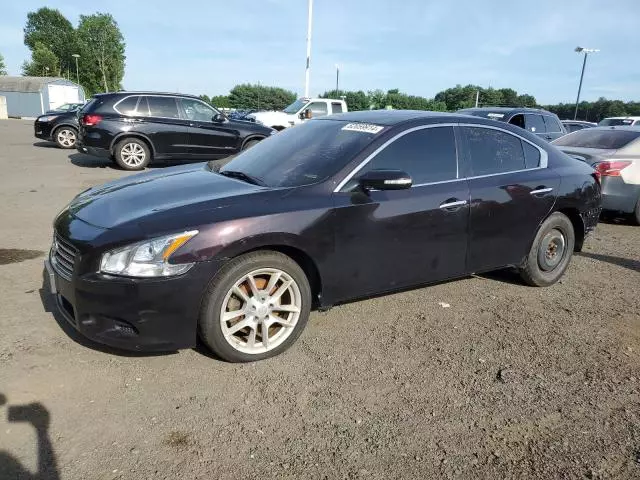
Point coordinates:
[(615, 154)]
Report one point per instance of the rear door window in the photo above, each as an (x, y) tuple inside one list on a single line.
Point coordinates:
[(534, 123), (552, 124), (428, 155), (494, 151), (165, 107), (127, 106)]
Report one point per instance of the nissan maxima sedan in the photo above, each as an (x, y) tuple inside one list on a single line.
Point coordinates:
[(339, 208)]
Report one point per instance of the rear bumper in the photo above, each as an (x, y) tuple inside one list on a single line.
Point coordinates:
[(95, 151), (619, 196)]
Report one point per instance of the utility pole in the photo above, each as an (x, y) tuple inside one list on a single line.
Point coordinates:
[(76, 56), (477, 97), (337, 79), (306, 73), (586, 52)]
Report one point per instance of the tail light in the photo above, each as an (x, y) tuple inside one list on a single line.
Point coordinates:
[(611, 168), (90, 120)]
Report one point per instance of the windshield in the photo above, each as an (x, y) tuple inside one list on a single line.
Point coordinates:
[(601, 139), (295, 106), (304, 154), (616, 122)]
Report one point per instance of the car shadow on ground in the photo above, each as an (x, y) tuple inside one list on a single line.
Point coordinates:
[(45, 144), (49, 306), (629, 263), (506, 275), (89, 161), (36, 415)]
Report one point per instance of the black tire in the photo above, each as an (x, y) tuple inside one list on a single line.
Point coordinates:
[(65, 136), (132, 154), (542, 267), (249, 144), (209, 325)]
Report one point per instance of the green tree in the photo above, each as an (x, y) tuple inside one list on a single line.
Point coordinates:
[(102, 53), (205, 98), (458, 97), (355, 100), (44, 62), (3, 66), (261, 97), (220, 101), (48, 27)]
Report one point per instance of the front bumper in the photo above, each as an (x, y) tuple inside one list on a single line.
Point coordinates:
[(133, 314), (42, 130)]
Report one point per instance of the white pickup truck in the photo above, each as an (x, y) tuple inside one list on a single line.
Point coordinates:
[(299, 111)]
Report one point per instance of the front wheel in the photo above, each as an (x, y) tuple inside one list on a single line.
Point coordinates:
[(255, 307), (65, 137), (249, 144), (132, 154), (550, 253)]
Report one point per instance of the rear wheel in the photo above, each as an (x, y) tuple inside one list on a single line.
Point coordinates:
[(550, 253), (132, 154), (636, 213), (65, 137), (255, 307)]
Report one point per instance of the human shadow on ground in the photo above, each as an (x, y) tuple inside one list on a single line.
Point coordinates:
[(37, 416), (629, 263)]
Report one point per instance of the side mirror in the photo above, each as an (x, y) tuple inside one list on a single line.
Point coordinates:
[(385, 180), (218, 118)]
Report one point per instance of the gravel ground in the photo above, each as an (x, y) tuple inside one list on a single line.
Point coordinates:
[(509, 381)]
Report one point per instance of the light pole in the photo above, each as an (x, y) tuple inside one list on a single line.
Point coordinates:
[(76, 56), (586, 52), (306, 73), (337, 79)]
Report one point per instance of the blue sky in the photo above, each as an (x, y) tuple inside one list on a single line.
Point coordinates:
[(418, 46)]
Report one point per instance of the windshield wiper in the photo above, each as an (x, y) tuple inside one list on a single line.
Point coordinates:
[(242, 176)]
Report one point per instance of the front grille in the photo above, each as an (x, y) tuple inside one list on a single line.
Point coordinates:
[(63, 257)]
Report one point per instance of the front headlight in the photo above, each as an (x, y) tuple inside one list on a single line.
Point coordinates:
[(147, 259)]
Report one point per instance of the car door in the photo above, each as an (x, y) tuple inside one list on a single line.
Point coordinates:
[(392, 239), (208, 138), (553, 127), (164, 127), (512, 190), (534, 123)]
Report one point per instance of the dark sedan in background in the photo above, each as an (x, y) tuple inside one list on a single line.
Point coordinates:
[(341, 207), (61, 128), (615, 154), (575, 125), (134, 128)]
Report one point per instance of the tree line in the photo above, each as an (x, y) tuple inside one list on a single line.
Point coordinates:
[(261, 97), (97, 40)]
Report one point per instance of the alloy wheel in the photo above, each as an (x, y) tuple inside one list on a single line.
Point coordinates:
[(260, 311), (132, 154), (66, 137)]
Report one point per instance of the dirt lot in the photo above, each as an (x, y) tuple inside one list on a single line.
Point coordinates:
[(509, 382)]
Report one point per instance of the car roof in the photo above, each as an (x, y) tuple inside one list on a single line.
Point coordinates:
[(582, 122), (393, 117), (506, 110), (634, 128), (160, 94), (630, 117)]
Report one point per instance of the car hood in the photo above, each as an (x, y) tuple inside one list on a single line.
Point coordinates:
[(139, 197), (588, 155)]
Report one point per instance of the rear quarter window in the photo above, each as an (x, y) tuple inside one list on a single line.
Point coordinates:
[(552, 124)]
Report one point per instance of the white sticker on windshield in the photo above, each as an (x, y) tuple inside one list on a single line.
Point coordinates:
[(362, 127), (495, 115)]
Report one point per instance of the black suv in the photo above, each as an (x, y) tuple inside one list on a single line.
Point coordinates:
[(542, 123), (132, 128)]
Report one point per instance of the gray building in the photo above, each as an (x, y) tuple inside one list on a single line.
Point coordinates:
[(33, 96)]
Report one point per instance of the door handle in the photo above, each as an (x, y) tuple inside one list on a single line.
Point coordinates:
[(453, 205), (541, 190)]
